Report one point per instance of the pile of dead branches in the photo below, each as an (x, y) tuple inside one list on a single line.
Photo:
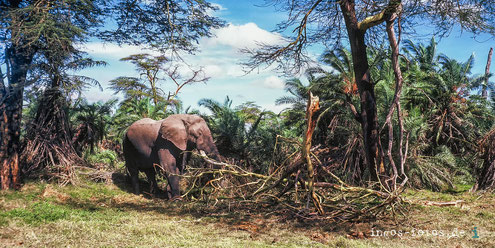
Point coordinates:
[(288, 186), (47, 149), (301, 183)]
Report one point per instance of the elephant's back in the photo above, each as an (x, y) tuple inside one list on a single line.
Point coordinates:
[(144, 121), (143, 134)]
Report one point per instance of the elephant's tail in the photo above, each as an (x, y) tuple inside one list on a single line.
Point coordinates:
[(126, 147)]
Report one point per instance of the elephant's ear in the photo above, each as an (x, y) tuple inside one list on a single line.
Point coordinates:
[(173, 129)]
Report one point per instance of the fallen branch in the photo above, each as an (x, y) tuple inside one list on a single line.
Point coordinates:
[(350, 189), (443, 204)]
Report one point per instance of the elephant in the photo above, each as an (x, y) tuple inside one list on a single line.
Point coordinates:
[(165, 143)]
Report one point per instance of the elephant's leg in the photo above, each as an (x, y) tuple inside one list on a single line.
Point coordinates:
[(169, 191), (134, 173), (151, 175), (173, 182), (168, 161)]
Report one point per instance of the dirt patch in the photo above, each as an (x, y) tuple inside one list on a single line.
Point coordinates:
[(50, 192)]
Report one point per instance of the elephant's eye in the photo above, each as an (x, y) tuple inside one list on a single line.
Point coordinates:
[(196, 134)]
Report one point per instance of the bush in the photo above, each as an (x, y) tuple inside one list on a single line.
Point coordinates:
[(102, 157)]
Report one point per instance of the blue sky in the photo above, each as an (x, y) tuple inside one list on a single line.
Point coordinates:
[(220, 58)]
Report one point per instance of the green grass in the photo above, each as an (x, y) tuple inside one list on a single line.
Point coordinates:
[(38, 213), (104, 215)]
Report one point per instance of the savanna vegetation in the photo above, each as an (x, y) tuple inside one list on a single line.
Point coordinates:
[(375, 136)]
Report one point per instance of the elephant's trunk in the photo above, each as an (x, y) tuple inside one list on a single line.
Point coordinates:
[(209, 147), (214, 155), (212, 152)]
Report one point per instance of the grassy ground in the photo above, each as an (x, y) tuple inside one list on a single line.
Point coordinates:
[(104, 215)]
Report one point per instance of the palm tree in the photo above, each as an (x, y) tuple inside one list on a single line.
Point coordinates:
[(47, 136), (440, 88), (144, 108), (336, 126), (341, 62), (178, 108), (294, 115), (227, 125), (244, 132), (445, 121), (423, 56), (93, 121)]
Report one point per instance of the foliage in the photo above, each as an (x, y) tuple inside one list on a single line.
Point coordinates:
[(175, 25), (105, 157), (244, 133), (148, 67), (444, 118), (315, 22), (91, 123), (324, 22), (435, 173), (49, 31)]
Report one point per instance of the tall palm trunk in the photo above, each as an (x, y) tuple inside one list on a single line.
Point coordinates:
[(484, 92)]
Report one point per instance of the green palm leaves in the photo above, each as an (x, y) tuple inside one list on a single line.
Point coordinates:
[(92, 123), (244, 133)]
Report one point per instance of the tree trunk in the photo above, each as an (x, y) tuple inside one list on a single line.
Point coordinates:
[(486, 178), (402, 151), (484, 92), (369, 119), (11, 110), (11, 114), (486, 175), (312, 107)]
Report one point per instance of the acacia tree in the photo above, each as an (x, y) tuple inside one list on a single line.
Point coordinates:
[(359, 24), (30, 28), (154, 70)]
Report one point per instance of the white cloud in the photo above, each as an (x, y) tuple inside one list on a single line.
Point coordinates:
[(276, 108), (235, 71), (94, 95), (217, 12), (219, 55), (219, 6), (114, 50), (213, 71), (220, 59), (273, 82), (248, 35)]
